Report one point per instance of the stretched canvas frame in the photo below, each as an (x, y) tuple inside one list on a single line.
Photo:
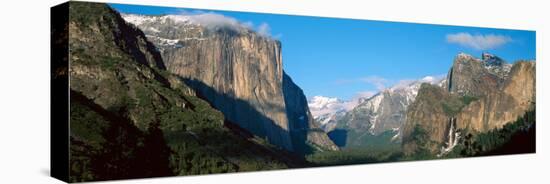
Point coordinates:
[(139, 91)]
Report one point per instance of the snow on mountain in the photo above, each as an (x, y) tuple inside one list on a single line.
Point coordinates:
[(409, 88), (386, 110), (496, 65), (208, 20), (166, 31), (139, 20), (380, 112), (175, 31), (321, 105), (327, 111), (211, 21)]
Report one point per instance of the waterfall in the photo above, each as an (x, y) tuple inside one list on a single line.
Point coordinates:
[(452, 138)]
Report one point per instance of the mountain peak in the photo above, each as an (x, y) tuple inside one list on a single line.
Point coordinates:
[(322, 103), (490, 59), (486, 55), (199, 22), (462, 56)]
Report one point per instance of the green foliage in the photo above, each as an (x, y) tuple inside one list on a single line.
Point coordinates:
[(454, 105), (109, 62), (369, 141), (477, 144), (87, 125), (467, 99), (88, 13), (106, 146), (146, 126), (354, 156), (495, 138), (190, 157), (423, 143), (360, 148)]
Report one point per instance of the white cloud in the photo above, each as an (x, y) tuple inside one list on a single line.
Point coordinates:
[(248, 24), (321, 105), (382, 84), (403, 83), (378, 82), (264, 29), (213, 20), (357, 99), (431, 79), (478, 41), (364, 94)]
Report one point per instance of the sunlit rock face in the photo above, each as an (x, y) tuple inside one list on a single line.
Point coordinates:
[(380, 116), (478, 95), (239, 71)]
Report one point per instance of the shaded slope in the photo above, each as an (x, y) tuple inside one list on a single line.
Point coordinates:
[(121, 80)]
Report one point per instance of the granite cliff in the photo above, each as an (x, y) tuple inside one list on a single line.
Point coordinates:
[(478, 95), (238, 71), (131, 118), (372, 121)]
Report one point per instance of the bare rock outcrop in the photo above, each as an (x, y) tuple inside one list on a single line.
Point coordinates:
[(239, 71), (479, 95)]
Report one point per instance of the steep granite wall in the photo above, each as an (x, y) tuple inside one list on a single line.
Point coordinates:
[(303, 127), (482, 94), (237, 70), (241, 75)]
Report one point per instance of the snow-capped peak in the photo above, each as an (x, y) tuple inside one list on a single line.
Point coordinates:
[(486, 55), (207, 20), (463, 55), (495, 64), (410, 84), (179, 18), (320, 102), (325, 106), (491, 59), (143, 19)]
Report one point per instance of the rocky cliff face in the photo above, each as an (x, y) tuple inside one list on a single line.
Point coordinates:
[(382, 112), (506, 103), (130, 118), (237, 70), (327, 111), (479, 95), (475, 77), (303, 127), (428, 112), (381, 115), (112, 60)]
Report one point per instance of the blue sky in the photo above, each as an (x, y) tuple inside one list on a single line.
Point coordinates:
[(344, 57)]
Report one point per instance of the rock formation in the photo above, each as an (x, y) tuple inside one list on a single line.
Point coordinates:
[(381, 115), (482, 94), (130, 118), (237, 70)]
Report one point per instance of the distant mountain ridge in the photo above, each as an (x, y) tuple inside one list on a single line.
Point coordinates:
[(384, 112), (326, 111)]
